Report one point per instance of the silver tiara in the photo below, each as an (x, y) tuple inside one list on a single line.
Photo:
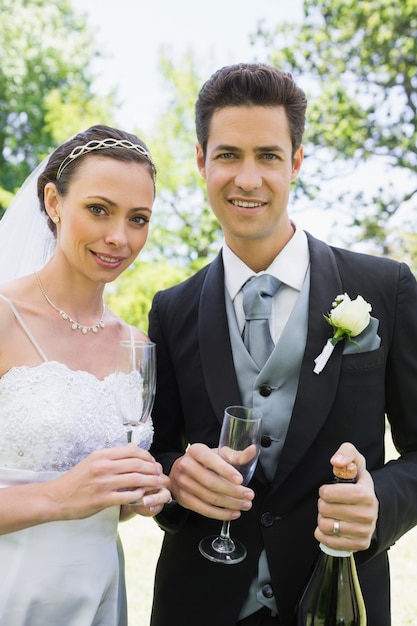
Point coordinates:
[(95, 144)]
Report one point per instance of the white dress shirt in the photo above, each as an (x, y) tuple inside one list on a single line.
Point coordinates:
[(290, 267)]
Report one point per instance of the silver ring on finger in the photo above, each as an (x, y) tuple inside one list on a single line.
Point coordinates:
[(336, 527)]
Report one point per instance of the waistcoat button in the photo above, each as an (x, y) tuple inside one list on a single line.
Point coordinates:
[(266, 441), (267, 519), (267, 591), (265, 390)]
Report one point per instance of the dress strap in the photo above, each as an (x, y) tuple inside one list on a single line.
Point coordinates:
[(25, 328), (131, 332)]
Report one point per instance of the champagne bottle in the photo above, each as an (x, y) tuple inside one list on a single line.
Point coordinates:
[(333, 596)]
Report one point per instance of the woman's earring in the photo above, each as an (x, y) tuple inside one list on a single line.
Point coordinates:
[(56, 219)]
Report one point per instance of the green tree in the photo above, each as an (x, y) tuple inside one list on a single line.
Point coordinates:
[(184, 234), (130, 296), (357, 62), (46, 84), (183, 226)]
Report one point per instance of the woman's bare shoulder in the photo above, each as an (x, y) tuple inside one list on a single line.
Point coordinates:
[(126, 330), (6, 311), (139, 335)]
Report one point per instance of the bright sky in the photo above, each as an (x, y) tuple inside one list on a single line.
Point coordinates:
[(132, 33)]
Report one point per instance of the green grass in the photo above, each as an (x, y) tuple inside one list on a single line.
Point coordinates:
[(141, 539)]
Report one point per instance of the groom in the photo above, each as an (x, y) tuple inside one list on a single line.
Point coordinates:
[(250, 121)]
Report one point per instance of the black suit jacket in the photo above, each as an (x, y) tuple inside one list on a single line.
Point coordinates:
[(346, 402)]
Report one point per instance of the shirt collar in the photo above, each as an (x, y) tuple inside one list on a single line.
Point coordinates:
[(289, 266)]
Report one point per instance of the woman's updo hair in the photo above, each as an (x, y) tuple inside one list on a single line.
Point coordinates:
[(101, 140)]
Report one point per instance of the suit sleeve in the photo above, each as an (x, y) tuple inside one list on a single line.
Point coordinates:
[(396, 482), (168, 443)]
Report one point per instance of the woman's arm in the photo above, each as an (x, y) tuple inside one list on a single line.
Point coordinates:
[(108, 477)]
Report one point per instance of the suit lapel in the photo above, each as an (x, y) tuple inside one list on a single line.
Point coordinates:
[(315, 393), (215, 349)]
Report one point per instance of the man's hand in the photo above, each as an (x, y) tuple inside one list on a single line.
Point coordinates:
[(354, 506), (205, 483)]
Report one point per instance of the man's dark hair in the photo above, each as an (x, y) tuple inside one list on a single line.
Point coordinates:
[(246, 85)]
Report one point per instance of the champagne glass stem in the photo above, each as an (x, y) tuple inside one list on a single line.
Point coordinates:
[(225, 531), (239, 443), (223, 543)]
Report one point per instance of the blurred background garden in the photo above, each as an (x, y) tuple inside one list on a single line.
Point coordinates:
[(68, 64)]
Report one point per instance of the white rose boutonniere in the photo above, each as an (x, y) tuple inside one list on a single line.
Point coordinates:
[(348, 318)]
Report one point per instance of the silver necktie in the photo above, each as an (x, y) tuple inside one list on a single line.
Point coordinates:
[(257, 304)]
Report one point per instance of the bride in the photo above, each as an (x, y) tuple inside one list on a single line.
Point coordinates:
[(66, 473)]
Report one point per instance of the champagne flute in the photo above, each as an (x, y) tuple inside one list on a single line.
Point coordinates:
[(135, 384), (238, 445)]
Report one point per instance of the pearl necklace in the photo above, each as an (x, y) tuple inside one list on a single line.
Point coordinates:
[(74, 325)]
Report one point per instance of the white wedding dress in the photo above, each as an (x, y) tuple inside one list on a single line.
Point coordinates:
[(66, 573)]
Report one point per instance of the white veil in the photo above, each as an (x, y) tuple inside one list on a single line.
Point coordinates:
[(26, 242)]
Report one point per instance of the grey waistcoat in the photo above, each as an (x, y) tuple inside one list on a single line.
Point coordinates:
[(280, 373)]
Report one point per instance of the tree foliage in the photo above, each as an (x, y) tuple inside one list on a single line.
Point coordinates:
[(183, 226), (130, 296), (46, 84), (358, 64), (47, 94)]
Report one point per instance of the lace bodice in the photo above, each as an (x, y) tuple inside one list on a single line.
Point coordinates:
[(52, 417)]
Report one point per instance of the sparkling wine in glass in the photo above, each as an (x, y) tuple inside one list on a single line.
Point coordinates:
[(135, 384), (238, 445)]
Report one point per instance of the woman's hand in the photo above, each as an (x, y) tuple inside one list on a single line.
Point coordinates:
[(152, 503), (107, 477)]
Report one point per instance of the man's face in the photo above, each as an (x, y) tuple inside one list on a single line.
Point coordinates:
[(248, 169)]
